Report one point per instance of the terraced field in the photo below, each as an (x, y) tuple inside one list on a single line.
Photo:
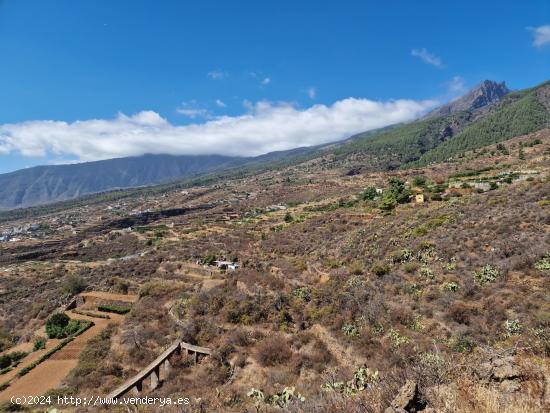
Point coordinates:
[(50, 373)]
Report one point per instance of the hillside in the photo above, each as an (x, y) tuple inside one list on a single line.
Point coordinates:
[(343, 296), (485, 115), (518, 113), (439, 138), (49, 184), (45, 184)]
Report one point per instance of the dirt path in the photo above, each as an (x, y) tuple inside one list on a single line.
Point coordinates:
[(208, 282), (344, 355), (127, 298)]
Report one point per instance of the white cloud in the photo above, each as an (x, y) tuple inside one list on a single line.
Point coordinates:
[(220, 103), (217, 74), (427, 57), (266, 127), (312, 93), (193, 113), (266, 81), (192, 110), (456, 86), (541, 35)]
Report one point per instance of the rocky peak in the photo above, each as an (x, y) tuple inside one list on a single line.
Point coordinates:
[(484, 94)]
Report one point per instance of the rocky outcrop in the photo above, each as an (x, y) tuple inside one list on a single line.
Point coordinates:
[(501, 370), (408, 400), (484, 94)]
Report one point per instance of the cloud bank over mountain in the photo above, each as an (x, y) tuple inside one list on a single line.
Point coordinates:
[(264, 128)]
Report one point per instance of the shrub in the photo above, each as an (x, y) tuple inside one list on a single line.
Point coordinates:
[(273, 351), (74, 284), (281, 399), (451, 286), (487, 274), (543, 264), (397, 339), (122, 286), (412, 289), (299, 264), (60, 325), (154, 289), (401, 255), (288, 217), (91, 314), (56, 325), (350, 330), (410, 267), (209, 259), (387, 203), (419, 180), (363, 379), (303, 293), (463, 344), (39, 343), (72, 327), (512, 327), (461, 313), (503, 149), (113, 309), (426, 245), (426, 272), (7, 339), (369, 194), (18, 355), (5, 361), (380, 268), (25, 370), (285, 318), (356, 268), (439, 188), (450, 266)]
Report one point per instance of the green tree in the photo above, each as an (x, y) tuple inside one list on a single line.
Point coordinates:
[(398, 191), (395, 194), (56, 325), (387, 203), (419, 180), (369, 194)]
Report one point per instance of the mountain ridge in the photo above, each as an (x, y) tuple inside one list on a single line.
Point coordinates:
[(493, 114), (484, 94)]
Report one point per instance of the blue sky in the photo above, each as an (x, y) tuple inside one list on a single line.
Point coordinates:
[(86, 80)]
